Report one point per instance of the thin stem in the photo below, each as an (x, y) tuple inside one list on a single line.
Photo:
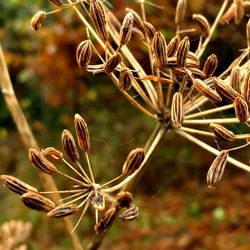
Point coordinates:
[(109, 182), (207, 121), (89, 167), (76, 199), (196, 131), (61, 191), (69, 177), (73, 196)]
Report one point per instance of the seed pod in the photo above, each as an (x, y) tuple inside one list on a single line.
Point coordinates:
[(225, 90), (177, 114), (52, 152), (69, 146), (98, 16), (216, 169), (210, 65), (229, 14), (203, 23), (124, 199), (150, 30), (133, 161), (172, 46), (235, 78), (129, 214), (39, 161), (84, 53), (82, 133), (248, 33), (57, 3), (245, 90), (192, 57), (182, 51), (126, 29), (37, 20), (63, 211), (112, 63), (221, 132), (125, 79), (241, 109), (37, 202), (172, 62), (180, 11), (16, 185), (138, 22), (206, 91), (239, 11), (107, 220)]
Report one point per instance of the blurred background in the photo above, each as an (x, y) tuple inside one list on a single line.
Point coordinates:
[(177, 211)]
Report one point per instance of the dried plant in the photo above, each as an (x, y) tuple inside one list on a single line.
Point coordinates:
[(179, 92)]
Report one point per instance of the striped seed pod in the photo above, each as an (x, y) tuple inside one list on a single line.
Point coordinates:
[(126, 29), (182, 51), (107, 220), (69, 146), (138, 22), (229, 14), (248, 33), (160, 49), (37, 202), (84, 53), (63, 211), (245, 90), (150, 30), (239, 11), (241, 109), (124, 199), (177, 114), (193, 57), (235, 78), (216, 169), (98, 16), (225, 90), (57, 3), (210, 65), (52, 152), (110, 65), (16, 185), (205, 90), (221, 132), (203, 23), (39, 161), (133, 161), (82, 133), (129, 214), (125, 79), (180, 11), (37, 20), (172, 46)]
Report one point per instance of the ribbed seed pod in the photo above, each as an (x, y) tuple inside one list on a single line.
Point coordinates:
[(84, 53), (235, 78), (160, 49), (245, 90), (192, 56), (57, 3), (239, 11), (177, 114), (112, 63), (180, 11), (225, 90), (229, 14), (216, 169), (133, 161), (69, 146), (63, 211), (98, 17), (221, 132), (125, 79), (172, 46), (137, 19), (203, 23), (126, 29), (37, 20), (150, 30), (16, 185), (206, 91), (129, 214), (182, 51), (38, 202), (248, 33), (52, 152), (124, 199), (82, 133), (210, 65), (241, 109), (40, 162)]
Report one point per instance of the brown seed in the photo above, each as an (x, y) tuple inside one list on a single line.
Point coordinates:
[(221, 132), (69, 146), (99, 19), (126, 29), (84, 53), (107, 220), (235, 78), (193, 57), (112, 63), (63, 211), (210, 65), (206, 90), (239, 11), (39, 161), (182, 51), (37, 20), (150, 30), (129, 214), (138, 22), (16, 185), (172, 46), (82, 133), (52, 152), (177, 114), (160, 49), (216, 169), (248, 33), (37, 202), (203, 23), (229, 14), (133, 161), (124, 199), (57, 3), (180, 11), (125, 79), (245, 90), (241, 109)]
